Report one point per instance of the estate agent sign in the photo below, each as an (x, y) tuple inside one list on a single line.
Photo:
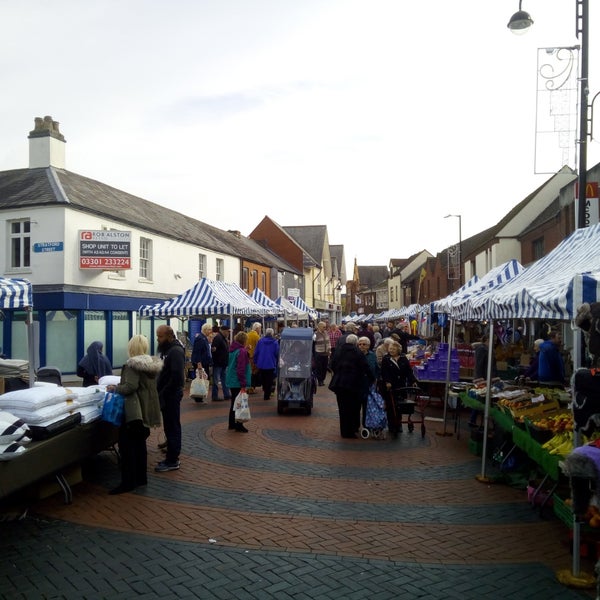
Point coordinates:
[(105, 249)]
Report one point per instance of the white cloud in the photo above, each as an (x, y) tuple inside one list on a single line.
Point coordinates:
[(376, 118)]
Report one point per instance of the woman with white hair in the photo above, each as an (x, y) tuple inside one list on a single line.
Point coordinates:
[(265, 359), (350, 369)]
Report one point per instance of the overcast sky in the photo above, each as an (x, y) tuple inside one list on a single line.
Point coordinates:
[(374, 117)]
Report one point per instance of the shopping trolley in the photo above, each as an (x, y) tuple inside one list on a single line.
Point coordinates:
[(406, 406)]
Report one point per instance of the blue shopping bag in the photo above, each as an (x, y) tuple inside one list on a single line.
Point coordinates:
[(113, 408)]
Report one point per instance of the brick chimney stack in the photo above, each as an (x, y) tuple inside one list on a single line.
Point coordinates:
[(46, 144)]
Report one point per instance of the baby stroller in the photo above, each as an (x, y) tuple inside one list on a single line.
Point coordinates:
[(296, 383), (376, 417)]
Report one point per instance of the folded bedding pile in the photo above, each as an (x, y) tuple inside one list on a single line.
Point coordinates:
[(48, 409)]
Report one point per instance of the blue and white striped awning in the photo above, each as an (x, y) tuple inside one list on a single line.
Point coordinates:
[(208, 297), (261, 298), (290, 309), (554, 286), (302, 306), (460, 306), (443, 305), (15, 293)]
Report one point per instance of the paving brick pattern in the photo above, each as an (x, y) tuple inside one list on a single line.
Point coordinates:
[(290, 510)]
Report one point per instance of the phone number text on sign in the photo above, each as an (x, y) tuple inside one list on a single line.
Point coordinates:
[(103, 262)]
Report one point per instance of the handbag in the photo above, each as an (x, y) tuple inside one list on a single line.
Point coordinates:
[(113, 408), (241, 408), (199, 385)]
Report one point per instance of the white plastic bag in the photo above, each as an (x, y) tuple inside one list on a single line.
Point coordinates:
[(199, 385), (241, 408)]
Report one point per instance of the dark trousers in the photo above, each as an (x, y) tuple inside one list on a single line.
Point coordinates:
[(171, 414), (133, 454), (349, 404), (321, 361), (267, 378), (234, 393)]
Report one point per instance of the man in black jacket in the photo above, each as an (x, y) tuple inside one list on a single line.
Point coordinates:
[(170, 383), (402, 331), (220, 356)]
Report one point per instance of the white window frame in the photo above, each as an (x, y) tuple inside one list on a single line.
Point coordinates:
[(145, 268), (220, 269), (23, 239), (201, 266)]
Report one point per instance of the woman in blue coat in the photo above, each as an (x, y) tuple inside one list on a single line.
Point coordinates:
[(266, 354)]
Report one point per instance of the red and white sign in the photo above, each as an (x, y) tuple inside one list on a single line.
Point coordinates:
[(104, 249)]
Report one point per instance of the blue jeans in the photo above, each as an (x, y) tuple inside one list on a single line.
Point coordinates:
[(219, 375)]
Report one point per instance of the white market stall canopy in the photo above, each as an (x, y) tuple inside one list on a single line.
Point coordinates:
[(208, 297), (15, 293), (290, 310), (551, 288), (303, 307), (261, 298), (459, 304)]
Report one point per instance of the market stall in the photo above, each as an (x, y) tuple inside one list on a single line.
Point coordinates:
[(18, 294), (209, 297), (553, 288)]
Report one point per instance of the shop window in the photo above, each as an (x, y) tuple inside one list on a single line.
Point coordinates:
[(19, 339), (20, 244), (94, 328), (201, 266), (537, 248), (120, 336), (145, 258), (61, 340)]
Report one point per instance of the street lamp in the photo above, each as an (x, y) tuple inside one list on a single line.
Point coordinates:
[(459, 247), (519, 23)]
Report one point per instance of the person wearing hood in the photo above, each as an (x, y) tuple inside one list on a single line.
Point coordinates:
[(266, 354), (238, 375), (93, 365), (142, 412)]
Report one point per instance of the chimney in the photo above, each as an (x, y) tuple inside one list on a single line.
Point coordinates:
[(46, 145)]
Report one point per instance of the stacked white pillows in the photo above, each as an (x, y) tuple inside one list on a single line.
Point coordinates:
[(13, 436)]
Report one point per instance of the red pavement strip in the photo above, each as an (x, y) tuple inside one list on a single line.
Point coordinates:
[(543, 541)]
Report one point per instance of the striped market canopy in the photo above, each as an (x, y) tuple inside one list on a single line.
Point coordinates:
[(261, 298), (290, 310), (302, 306), (15, 293), (208, 297), (554, 286), (460, 307), (443, 305)]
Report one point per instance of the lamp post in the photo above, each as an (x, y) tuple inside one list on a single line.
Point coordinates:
[(520, 23), (459, 247)]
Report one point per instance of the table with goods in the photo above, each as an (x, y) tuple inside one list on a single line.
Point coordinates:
[(539, 421)]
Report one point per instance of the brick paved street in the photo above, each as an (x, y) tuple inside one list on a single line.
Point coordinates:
[(291, 511)]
